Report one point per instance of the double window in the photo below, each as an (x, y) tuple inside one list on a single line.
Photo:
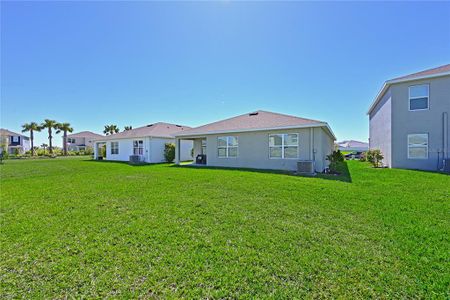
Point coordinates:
[(419, 97), (418, 146), (283, 145), (71, 140), (227, 146), (114, 147), (138, 147)]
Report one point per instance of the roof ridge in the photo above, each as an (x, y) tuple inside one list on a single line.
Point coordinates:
[(418, 73), (287, 115)]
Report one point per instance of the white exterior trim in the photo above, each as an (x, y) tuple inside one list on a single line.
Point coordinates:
[(202, 134), (388, 83), (412, 98)]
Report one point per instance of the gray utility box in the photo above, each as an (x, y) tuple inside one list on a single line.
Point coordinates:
[(446, 168), (136, 159), (306, 167)]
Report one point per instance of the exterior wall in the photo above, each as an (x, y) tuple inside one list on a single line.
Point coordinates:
[(380, 131), (429, 121), (253, 151), (153, 149), (80, 141)]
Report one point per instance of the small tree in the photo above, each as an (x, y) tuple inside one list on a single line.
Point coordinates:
[(169, 152), (375, 157), (335, 158)]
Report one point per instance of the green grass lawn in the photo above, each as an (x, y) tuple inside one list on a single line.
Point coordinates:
[(80, 228)]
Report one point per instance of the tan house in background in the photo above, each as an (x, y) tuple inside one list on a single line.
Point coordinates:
[(13, 142), (261, 140)]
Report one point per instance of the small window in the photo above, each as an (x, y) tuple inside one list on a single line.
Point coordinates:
[(203, 146), (138, 147), (114, 147), (71, 140), (419, 97), (283, 145), (418, 146), (227, 146), (15, 139)]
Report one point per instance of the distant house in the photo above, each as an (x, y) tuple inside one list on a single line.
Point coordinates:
[(351, 145), (79, 141), (261, 140), (12, 142), (408, 120), (147, 142)]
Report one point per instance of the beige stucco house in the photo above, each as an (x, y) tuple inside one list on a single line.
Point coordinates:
[(260, 140)]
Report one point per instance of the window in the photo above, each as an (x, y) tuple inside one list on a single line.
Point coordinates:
[(227, 146), (418, 146), (71, 140), (138, 147), (419, 97), (114, 147), (15, 139), (203, 146), (283, 145)]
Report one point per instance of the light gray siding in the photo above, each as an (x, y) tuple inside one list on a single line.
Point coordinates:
[(380, 131), (429, 121), (253, 149)]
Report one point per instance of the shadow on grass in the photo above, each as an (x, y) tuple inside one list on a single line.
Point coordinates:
[(344, 175), (121, 163)]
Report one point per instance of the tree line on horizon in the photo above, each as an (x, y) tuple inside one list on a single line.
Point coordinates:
[(51, 125)]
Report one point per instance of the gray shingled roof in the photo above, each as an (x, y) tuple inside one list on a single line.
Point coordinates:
[(160, 129), (85, 134), (258, 120)]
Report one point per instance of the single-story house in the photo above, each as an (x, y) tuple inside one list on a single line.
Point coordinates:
[(351, 145), (80, 140), (260, 140), (146, 142)]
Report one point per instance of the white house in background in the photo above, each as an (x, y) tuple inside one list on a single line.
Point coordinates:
[(13, 142), (351, 145), (80, 140), (148, 142), (261, 140)]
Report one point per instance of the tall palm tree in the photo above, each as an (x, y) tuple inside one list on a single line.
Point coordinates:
[(50, 125), (31, 127), (111, 129), (44, 145), (126, 128), (64, 127)]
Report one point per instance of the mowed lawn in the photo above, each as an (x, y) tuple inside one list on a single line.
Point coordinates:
[(80, 228)]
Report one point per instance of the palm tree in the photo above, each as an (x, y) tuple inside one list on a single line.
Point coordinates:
[(44, 145), (50, 125), (31, 127), (64, 127), (126, 128), (111, 129)]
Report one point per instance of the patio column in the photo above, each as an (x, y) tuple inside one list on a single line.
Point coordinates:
[(95, 150), (177, 150)]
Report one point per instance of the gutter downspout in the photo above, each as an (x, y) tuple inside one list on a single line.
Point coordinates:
[(445, 134)]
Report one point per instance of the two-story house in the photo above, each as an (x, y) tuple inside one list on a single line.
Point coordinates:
[(408, 120), (79, 141), (13, 142)]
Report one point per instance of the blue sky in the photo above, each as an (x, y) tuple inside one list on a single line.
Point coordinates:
[(135, 63)]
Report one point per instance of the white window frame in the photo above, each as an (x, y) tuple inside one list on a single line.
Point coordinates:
[(203, 146), (114, 148), (412, 98), (71, 140), (417, 146), (283, 146), (138, 148), (227, 147)]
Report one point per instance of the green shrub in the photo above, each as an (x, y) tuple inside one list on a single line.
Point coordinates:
[(363, 157), (88, 151), (335, 158), (169, 152), (375, 157)]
